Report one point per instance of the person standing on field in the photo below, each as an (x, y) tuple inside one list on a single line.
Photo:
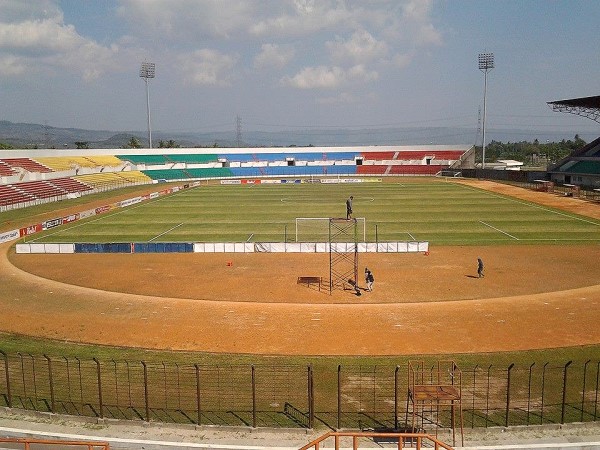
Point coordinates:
[(369, 279), (349, 208), (480, 268)]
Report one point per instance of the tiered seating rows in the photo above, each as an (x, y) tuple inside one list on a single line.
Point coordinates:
[(5, 169), (403, 169), (56, 163), (166, 159), (400, 169), (237, 157), (11, 194), (112, 179), (61, 163), (26, 163), (25, 192)]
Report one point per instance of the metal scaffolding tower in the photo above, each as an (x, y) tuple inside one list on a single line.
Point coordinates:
[(343, 254)]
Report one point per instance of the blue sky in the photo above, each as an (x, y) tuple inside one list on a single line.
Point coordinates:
[(296, 64)]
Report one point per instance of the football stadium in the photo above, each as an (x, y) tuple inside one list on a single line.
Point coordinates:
[(226, 288)]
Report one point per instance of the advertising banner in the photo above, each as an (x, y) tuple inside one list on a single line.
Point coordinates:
[(31, 229), (9, 236), (70, 218), (52, 223)]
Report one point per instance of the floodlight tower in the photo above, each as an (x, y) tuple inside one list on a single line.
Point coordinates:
[(146, 72), (486, 63)]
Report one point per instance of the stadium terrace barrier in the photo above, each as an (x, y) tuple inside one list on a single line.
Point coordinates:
[(222, 247)]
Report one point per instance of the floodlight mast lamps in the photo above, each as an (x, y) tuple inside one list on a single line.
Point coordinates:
[(486, 63), (146, 72)]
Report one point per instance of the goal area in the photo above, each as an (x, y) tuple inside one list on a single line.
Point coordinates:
[(316, 229)]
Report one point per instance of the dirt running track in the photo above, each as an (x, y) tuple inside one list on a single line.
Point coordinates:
[(532, 297)]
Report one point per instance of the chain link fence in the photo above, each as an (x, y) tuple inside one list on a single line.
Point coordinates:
[(293, 396)]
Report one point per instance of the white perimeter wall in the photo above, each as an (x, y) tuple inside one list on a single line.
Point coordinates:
[(260, 247)]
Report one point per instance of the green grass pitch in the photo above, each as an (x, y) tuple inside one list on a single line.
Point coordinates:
[(437, 211)]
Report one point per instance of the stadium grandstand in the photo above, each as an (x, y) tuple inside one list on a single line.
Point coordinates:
[(50, 175), (581, 167)]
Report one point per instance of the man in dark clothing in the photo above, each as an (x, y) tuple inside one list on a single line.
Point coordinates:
[(349, 208), (479, 268), (369, 279)]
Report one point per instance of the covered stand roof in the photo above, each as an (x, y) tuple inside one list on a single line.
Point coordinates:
[(585, 106)]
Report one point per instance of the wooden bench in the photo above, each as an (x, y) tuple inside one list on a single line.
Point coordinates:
[(310, 280)]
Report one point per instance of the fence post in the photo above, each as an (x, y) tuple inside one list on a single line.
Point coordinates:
[(68, 378), (473, 399), (396, 398), (508, 393), (99, 387), (487, 397), (51, 381), (529, 392), (198, 405), (6, 374), (543, 388), (311, 398), (583, 389), (564, 393), (596, 398), (339, 395), (253, 397), (35, 395), (146, 391)]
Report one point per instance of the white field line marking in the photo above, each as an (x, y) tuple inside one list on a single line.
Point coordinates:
[(499, 230), (249, 237), (531, 239), (532, 205), (169, 230), (411, 236), (103, 216)]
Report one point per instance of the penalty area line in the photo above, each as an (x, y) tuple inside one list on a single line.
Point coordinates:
[(499, 230)]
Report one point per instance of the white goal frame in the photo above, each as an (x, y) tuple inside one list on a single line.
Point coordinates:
[(360, 221)]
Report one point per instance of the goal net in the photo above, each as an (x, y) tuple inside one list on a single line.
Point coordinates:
[(316, 229)]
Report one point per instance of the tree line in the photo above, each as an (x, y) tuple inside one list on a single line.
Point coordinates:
[(533, 153)]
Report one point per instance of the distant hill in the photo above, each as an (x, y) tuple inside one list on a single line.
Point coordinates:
[(27, 135)]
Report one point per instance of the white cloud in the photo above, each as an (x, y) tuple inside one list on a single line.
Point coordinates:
[(402, 60), (303, 18), (46, 42), (186, 20), (273, 56), (208, 67), (361, 73), (320, 77), (362, 47), (11, 66), (416, 17)]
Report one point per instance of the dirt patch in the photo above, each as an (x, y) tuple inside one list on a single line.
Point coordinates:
[(531, 297)]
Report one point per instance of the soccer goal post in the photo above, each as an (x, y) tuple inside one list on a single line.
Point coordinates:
[(316, 229)]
